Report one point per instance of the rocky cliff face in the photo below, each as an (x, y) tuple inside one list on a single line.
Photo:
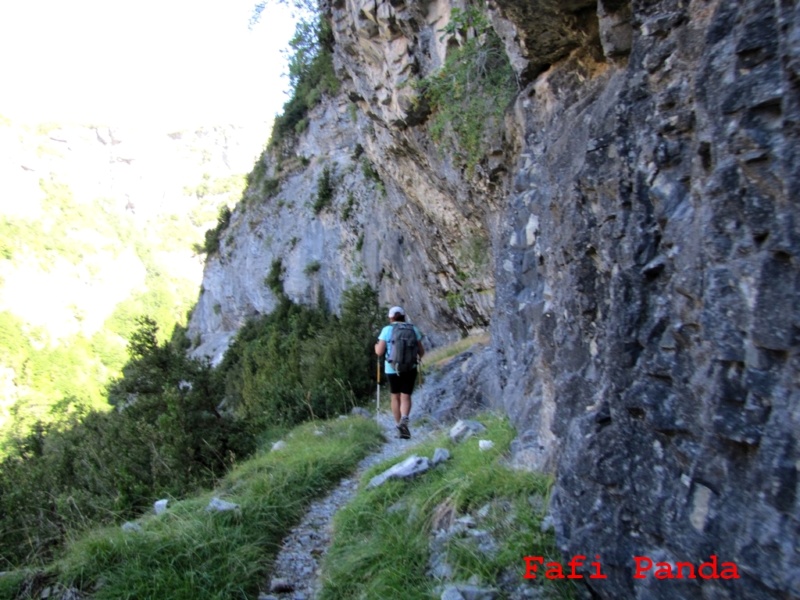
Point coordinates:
[(638, 208)]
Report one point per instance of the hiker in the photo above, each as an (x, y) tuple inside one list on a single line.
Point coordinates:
[(400, 370)]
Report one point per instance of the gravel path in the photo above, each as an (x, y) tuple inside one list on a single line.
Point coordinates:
[(297, 566)]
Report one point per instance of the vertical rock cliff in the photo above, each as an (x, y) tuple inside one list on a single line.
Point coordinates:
[(629, 235)]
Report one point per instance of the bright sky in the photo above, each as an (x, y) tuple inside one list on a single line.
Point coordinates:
[(176, 62)]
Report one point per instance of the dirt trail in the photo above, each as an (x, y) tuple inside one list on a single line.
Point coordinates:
[(297, 566)]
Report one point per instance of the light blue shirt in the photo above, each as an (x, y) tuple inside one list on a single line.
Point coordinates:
[(386, 336)]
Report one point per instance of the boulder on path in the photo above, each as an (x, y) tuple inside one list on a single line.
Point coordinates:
[(410, 467)]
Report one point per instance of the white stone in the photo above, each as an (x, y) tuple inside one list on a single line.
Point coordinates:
[(221, 505), (160, 506), (485, 445)]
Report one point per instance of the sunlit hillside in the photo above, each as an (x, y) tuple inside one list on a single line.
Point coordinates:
[(98, 227)]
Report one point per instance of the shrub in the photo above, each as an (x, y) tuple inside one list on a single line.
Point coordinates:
[(300, 362), (166, 439), (313, 267), (347, 211), (274, 280), (213, 235), (325, 191), (188, 553), (311, 75), (470, 93)]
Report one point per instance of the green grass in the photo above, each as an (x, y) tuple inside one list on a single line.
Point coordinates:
[(438, 357), (192, 554), (381, 540)]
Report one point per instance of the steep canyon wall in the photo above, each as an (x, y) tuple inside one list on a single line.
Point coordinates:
[(629, 237)]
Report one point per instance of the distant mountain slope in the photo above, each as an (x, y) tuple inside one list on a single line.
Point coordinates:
[(100, 225)]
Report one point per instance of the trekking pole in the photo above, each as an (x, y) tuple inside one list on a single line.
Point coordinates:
[(378, 391)]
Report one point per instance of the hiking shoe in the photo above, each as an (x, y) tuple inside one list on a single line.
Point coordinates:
[(405, 434)]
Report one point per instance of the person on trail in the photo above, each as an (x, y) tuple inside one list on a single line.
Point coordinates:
[(401, 343)]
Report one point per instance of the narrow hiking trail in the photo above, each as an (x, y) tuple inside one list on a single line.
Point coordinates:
[(295, 574)]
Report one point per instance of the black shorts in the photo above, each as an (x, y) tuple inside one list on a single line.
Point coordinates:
[(402, 383)]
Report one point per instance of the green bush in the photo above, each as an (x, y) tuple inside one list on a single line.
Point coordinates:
[(313, 267), (311, 75), (274, 279), (301, 362), (99, 467), (189, 553), (213, 235), (325, 191), (470, 93)]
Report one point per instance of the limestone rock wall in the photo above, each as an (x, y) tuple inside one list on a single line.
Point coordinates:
[(638, 215), (647, 282)]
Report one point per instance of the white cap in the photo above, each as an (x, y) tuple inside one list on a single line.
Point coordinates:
[(396, 310)]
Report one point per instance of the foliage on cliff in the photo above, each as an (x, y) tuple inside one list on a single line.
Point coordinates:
[(311, 74), (301, 362), (472, 90)]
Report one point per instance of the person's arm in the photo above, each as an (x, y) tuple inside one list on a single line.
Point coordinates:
[(420, 349), (380, 345)]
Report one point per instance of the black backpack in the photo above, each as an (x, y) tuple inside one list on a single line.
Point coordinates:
[(405, 349)]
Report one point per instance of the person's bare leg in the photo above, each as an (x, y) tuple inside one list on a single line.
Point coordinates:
[(405, 406), (396, 408)]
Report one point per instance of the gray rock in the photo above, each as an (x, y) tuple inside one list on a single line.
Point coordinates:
[(279, 445), (218, 505), (464, 429), (451, 593), (160, 506), (485, 445), (472, 592), (281, 586), (410, 467), (440, 455), (131, 527)]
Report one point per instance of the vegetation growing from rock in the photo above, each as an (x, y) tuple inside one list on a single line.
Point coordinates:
[(311, 74), (325, 191), (213, 235), (470, 93)]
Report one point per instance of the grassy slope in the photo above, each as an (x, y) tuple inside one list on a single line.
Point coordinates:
[(193, 554), (381, 545), (382, 542)]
